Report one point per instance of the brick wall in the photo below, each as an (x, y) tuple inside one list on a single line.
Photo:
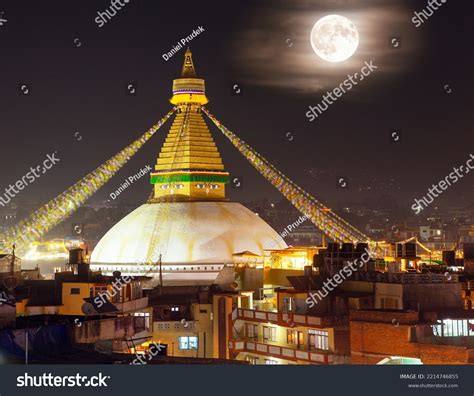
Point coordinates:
[(372, 342)]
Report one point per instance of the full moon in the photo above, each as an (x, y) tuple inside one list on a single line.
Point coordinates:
[(334, 38)]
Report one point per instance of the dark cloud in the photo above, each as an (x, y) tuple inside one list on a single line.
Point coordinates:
[(274, 48)]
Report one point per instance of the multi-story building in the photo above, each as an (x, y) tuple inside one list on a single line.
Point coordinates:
[(286, 332)]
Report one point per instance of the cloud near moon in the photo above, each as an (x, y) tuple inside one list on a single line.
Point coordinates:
[(274, 49)]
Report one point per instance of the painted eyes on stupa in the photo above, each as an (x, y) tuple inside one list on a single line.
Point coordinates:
[(211, 186), (174, 186)]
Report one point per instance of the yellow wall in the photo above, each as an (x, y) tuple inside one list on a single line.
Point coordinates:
[(202, 328), (72, 303)]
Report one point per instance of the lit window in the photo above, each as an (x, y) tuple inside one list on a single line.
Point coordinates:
[(270, 361), (251, 359), (319, 339), (188, 343), (294, 337), (269, 333), (251, 331)]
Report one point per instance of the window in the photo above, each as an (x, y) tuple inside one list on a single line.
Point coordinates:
[(251, 359), (318, 339), (270, 361), (288, 304), (294, 337), (269, 334), (136, 290), (188, 343), (142, 320), (75, 290), (251, 331), (454, 328), (98, 291)]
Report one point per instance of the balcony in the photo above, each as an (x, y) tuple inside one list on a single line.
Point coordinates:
[(289, 319), (132, 305), (290, 352), (91, 331), (404, 278)]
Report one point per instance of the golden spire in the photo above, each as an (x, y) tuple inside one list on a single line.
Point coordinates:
[(188, 70), (188, 89), (189, 166)]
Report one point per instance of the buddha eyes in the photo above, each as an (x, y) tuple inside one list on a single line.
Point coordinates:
[(211, 186), (175, 186)]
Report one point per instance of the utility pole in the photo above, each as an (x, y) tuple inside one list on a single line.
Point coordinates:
[(161, 276), (12, 263)]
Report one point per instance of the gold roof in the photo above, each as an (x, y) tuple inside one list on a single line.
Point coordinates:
[(189, 146)]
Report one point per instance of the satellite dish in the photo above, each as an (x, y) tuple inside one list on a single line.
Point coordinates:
[(88, 309)]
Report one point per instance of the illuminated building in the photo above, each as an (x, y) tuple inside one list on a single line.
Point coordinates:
[(284, 331), (102, 307), (187, 222)]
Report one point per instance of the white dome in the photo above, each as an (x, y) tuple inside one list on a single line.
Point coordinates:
[(185, 232)]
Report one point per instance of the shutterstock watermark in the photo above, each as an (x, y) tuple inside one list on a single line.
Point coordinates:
[(35, 173), (60, 381), (341, 276), (2, 19), (351, 80), (423, 15), (437, 189), (117, 286), (144, 358), (109, 13)]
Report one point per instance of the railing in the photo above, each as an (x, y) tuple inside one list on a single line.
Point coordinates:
[(91, 331), (285, 319), (132, 305), (405, 278), (280, 352)]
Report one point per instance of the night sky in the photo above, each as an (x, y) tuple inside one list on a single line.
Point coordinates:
[(77, 75)]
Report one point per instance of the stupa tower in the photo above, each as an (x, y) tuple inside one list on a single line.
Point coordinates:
[(189, 166)]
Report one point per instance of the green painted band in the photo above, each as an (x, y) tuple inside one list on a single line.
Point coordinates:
[(155, 179)]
